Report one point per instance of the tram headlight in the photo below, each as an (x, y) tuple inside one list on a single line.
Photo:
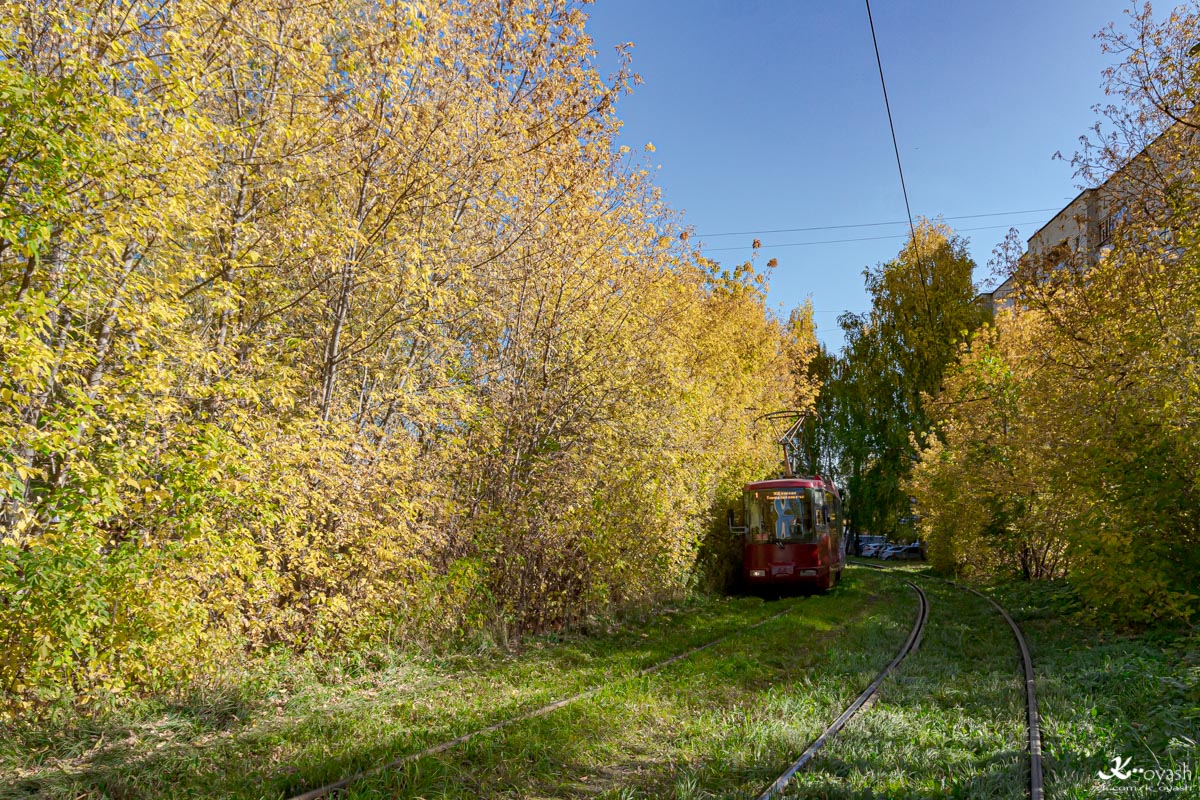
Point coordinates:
[(758, 573)]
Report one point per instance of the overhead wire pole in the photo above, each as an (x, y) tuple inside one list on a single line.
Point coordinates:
[(899, 167)]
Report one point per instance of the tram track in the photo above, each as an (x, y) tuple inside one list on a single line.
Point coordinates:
[(329, 789), (1037, 789), (1036, 783), (864, 698)]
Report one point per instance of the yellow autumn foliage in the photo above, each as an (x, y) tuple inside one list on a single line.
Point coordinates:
[(1067, 436), (338, 323)]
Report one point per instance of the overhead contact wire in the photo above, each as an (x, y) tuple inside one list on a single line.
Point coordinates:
[(873, 224), (899, 167)]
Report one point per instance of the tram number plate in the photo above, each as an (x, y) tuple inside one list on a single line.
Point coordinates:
[(781, 569), (808, 572)]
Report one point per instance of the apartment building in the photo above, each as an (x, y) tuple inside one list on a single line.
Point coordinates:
[(1087, 223)]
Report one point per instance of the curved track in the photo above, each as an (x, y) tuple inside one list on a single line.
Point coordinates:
[(910, 644), (1037, 789), (329, 788)]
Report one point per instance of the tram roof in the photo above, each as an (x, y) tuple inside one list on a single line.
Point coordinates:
[(790, 483)]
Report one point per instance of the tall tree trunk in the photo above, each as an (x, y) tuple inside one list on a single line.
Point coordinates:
[(341, 308)]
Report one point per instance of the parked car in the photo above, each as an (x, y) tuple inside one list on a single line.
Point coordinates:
[(900, 552), (871, 545)]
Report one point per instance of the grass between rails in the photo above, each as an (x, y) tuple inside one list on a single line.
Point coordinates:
[(953, 723), (949, 723)]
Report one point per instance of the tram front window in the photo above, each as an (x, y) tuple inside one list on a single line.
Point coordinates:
[(779, 515)]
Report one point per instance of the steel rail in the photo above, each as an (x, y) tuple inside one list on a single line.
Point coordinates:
[(1037, 789), (910, 644), (329, 788)]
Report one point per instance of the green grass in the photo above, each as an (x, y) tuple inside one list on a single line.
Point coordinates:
[(695, 722), (722, 723), (1105, 693), (950, 723), (953, 723)]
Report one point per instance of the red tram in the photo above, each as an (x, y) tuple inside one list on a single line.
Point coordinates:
[(791, 528), (793, 534)]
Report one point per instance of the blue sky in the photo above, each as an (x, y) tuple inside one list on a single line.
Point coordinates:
[(769, 115)]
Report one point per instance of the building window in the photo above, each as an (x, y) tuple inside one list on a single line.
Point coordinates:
[(1105, 229)]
